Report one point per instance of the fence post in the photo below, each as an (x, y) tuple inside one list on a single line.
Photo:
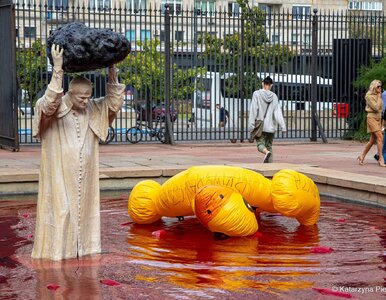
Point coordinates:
[(314, 58), (169, 137), (241, 87), (315, 122)]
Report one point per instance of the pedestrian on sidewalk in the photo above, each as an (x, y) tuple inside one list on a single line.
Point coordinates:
[(374, 108), (223, 117), (69, 128), (376, 156), (265, 106)]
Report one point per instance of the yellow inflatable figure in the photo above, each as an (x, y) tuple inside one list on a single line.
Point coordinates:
[(176, 196), (296, 195), (180, 196)]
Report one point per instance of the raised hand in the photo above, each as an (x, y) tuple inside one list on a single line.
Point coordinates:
[(112, 74), (57, 55)]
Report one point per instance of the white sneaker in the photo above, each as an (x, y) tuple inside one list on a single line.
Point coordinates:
[(266, 157)]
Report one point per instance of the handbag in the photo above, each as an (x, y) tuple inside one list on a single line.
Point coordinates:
[(257, 132)]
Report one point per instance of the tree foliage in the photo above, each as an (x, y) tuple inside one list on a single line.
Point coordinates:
[(32, 67), (368, 74), (145, 71), (365, 77)]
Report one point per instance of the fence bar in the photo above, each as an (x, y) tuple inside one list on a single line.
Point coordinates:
[(169, 138)]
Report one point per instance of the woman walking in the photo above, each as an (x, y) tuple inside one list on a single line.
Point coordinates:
[(374, 106)]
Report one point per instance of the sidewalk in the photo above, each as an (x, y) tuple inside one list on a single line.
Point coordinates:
[(147, 160), (336, 155)]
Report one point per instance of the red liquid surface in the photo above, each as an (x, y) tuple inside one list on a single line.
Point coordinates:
[(186, 262)]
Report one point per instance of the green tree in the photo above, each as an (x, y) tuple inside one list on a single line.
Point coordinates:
[(145, 72), (368, 74), (362, 83), (32, 65)]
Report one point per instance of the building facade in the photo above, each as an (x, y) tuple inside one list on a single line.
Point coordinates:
[(34, 15)]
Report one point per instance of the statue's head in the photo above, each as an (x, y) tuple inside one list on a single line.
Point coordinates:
[(80, 91)]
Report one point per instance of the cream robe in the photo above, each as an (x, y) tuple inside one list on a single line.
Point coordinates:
[(68, 213)]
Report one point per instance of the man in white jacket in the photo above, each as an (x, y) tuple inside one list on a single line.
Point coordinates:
[(265, 102)]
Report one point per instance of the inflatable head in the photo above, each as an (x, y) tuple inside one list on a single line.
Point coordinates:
[(221, 209), (296, 195)]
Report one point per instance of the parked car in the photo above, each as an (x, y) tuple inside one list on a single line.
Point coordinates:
[(158, 113)]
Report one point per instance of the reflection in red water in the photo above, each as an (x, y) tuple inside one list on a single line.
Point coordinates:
[(194, 259), (187, 262), (9, 241)]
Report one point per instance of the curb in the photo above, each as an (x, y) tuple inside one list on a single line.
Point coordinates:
[(366, 189)]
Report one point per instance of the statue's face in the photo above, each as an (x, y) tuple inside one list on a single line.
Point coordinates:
[(80, 95)]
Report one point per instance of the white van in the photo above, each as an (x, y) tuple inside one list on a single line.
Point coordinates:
[(293, 91)]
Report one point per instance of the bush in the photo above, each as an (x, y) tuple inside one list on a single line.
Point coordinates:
[(360, 134)]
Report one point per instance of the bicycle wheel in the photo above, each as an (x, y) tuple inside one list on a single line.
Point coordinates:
[(161, 135), (110, 136), (134, 134)]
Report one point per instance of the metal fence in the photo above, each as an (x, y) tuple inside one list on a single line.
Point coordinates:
[(8, 91), (214, 63)]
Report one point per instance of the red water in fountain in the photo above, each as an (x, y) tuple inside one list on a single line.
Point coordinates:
[(175, 259)]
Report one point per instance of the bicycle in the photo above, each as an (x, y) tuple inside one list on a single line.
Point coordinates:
[(134, 134)]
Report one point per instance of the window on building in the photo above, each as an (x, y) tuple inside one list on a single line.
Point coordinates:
[(130, 35), (175, 6), (99, 5), (137, 6), (265, 7), (307, 39), (29, 32), (25, 2), (365, 5), (179, 35), (301, 12), (104, 4), (275, 39), (145, 34), (295, 39), (57, 4), (268, 10), (234, 9), (204, 7)]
